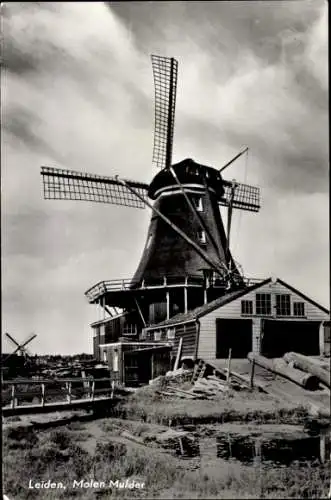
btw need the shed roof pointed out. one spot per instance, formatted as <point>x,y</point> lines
<point>206,308</point>
<point>196,313</point>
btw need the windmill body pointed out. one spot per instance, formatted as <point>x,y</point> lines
<point>165,253</point>
<point>186,261</point>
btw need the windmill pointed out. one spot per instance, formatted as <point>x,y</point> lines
<point>186,260</point>
<point>20,347</point>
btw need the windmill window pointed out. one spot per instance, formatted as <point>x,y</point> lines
<point>246,307</point>
<point>298,308</point>
<point>283,305</point>
<point>202,236</point>
<point>263,304</point>
<point>197,200</point>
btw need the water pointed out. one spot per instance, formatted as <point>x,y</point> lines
<point>252,449</point>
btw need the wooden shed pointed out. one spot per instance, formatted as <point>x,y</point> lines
<point>135,363</point>
<point>270,318</point>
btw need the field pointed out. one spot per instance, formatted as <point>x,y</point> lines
<point>239,444</point>
<point>153,443</point>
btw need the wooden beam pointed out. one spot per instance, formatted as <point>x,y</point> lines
<point>251,381</point>
<point>140,311</point>
<point>228,376</point>
<point>168,303</point>
<point>185,296</point>
<point>230,209</point>
<point>233,159</point>
<point>108,310</point>
<point>179,353</point>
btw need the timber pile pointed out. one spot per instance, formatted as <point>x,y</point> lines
<point>309,365</point>
<point>280,367</point>
<point>207,382</point>
<point>304,371</point>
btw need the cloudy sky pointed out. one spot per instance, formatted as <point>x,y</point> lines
<point>77,93</point>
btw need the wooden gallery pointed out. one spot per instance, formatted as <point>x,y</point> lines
<point>269,317</point>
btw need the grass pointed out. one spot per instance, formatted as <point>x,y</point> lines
<point>56,455</point>
<point>237,481</point>
<point>147,406</point>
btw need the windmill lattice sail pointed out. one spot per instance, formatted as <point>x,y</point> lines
<point>61,184</point>
<point>165,72</point>
<point>245,197</point>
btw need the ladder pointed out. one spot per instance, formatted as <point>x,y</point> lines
<point>199,371</point>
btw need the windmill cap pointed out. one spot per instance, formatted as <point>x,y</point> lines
<point>188,172</point>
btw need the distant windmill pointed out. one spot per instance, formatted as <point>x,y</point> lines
<point>20,348</point>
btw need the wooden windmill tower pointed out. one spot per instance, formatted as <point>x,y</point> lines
<point>186,260</point>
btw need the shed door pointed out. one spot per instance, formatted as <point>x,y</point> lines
<point>279,337</point>
<point>235,334</point>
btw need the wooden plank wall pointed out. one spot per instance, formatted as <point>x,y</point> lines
<point>207,337</point>
<point>188,332</point>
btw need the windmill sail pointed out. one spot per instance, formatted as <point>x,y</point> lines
<point>71,185</point>
<point>245,197</point>
<point>165,72</point>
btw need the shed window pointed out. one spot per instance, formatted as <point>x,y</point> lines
<point>298,308</point>
<point>129,329</point>
<point>202,236</point>
<point>263,304</point>
<point>171,334</point>
<point>246,307</point>
<point>157,335</point>
<point>283,305</point>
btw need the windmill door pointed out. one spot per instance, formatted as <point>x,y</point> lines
<point>235,334</point>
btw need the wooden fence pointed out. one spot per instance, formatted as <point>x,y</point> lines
<point>55,391</point>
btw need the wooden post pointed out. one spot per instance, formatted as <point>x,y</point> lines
<point>112,389</point>
<point>181,446</point>
<point>179,353</point>
<point>322,449</point>
<point>251,382</point>
<point>228,375</point>
<point>257,452</point>
<point>93,389</point>
<point>152,366</point>
<point>69,387</point>
<point>229,443</point>
<point>168,304</point>
<point>13,388</point>
<point>185,296</point>
<point>43,395</point>
<point>103,308</point>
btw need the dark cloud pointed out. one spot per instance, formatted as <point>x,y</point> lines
<point>272,55</point>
